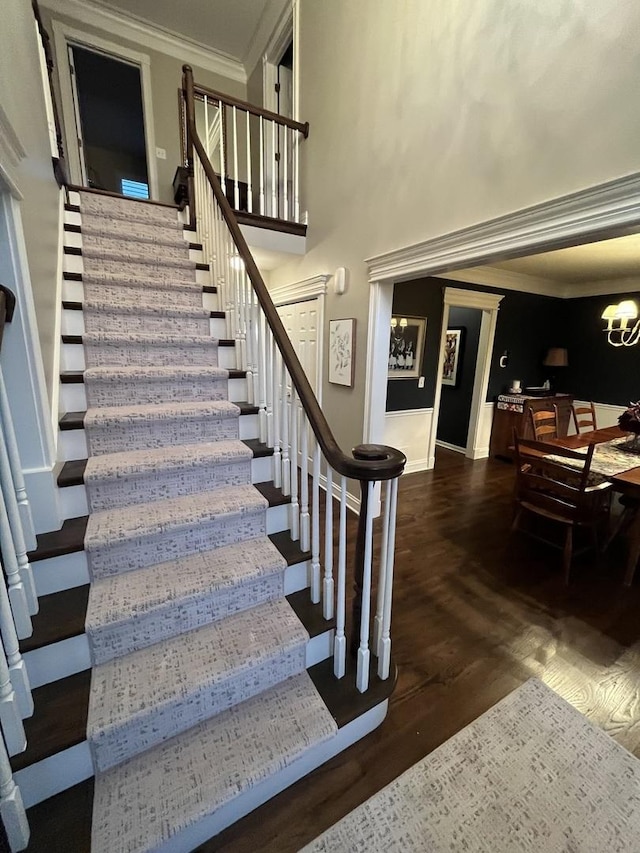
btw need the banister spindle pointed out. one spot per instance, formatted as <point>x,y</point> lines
<point>269,377</point>
<point>236,185</point>
<point>274,172</point>
<point>327,584</point>
<point>296,172</point>
<point>284,420</point>
<point>17,669</point>
<point>16,468</point>
<point>249,181</point>
<point>12,810</point>
<point>262,188</point>
<point>382,574</point>
<point>16,590</point>
<point>223,152</point>
<point>364,582</point>
<point>315,524</point>
<point>277,447</point>
<point>262,376</point>
<point>294,507</point>
<point>10,716</point>
<point>285,133</point>
<point>340,642</point>
<point>305,521</point>
<point>384,647</point>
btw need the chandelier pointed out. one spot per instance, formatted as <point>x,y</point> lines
<point>620,333</point>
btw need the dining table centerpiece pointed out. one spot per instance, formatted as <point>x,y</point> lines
<point>629,421</point>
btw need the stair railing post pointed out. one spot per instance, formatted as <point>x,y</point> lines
<point>187,88</point>
<point>12,810</point>
<point>16,468</point>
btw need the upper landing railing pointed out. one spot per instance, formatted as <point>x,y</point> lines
<point>306,455</point>
<point>254,153</point>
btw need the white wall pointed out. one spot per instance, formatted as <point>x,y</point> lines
<point>428,117</point>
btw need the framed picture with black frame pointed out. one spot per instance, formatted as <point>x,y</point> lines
<point>453,355</point>
<point>406,347</point>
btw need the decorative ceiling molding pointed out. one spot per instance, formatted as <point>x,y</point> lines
<point>602,287</point>
<point>472,299</point>
<point>11,149</point>
<point>607,210</point>
<point>149,35</point>
<point>298,291</point>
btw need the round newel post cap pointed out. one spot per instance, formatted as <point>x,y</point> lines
<point>388,462</point>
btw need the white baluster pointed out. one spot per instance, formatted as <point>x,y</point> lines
<point>305,533</point>
<point>249,182</point>
<point>17,669</point>
<point>12,811</point>
<point>249,338</point>
<point>315,525</point>
<point>377,621</point>
<point>17,592</point>
<point>285,133</point>
<point>261,166</point>
<point>362,670</point>
<point>274,170</point>
<point>294,508</point>
<point>262,384</point>
<point>327,584</point>
<point>340,642</point>
<point>10,717</point>
<point>236,187</point>
<point>384,648</point>
<point>223,153</point>
<point>277,448</point>
<point>16,468</point>
<point>15,524</point>
<point>243,357</point>
<point>296,173</point>
<point>255,363</point>
<point>284,420</point>
<point>269,383</point>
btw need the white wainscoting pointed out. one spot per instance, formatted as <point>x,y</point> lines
<point>409,431</point>
<point>483,438</point>
<point>606,414</point>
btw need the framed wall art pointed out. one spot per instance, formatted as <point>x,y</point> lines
<point>406,347</point>
<point>342,341</point>
<point>452,356</point>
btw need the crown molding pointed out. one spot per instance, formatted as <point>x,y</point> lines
<point>298,291</point>
<point>506,280</point>
<point>603,287</point>
<point>599,212</point>
<point>142,32</point>
<point>11,149</point>
<point>479,299</point>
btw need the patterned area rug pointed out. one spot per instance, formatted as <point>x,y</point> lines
<point>531,774</point>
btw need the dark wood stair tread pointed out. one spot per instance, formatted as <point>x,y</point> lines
<point>272,493</point>
<point>75,420</point>
<point>246,408</point>
<point>289,548</point>
<point>73,305</point>
<point>76,377</point>
<point>67,540</point>
<point>309,614</point>
<point>77,276</point>
<point>61,616</point>
<point>59,720</point>
<point>62,824</point>
<point>257,447</point>
<point>342,697</point>
<point>72,473</point>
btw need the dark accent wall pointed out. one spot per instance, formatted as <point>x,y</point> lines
<point>455,401</point>
<point>527,326</point>
<point>598,371</point>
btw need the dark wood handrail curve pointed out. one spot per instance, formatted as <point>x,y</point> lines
<point>252,109</point>
<point>372,462</point>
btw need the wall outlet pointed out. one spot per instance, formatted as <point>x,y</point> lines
<point>161,154</point>
<point>421,382</point>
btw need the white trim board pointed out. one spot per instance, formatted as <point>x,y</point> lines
<point>300,291</point>
<point>11,149</point>
<point>63,36</point>
<point>606,210</point>
<point>140,31</point>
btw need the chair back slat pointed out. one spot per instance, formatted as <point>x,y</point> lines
<point>584,418</point>
<point>544,423</point>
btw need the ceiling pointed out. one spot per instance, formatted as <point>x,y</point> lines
<point>227,26</point>
<point>604,261</point>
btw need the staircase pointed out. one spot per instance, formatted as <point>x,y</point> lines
<point>176,635</point>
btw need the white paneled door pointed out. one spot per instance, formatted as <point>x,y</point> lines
<point>302,322</point>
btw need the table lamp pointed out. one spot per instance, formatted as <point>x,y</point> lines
<point>555,357</point>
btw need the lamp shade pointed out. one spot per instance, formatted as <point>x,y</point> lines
<point>556,357</point>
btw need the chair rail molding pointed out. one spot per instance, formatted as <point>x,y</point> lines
<point>599,212</point>
<point>146,34</point>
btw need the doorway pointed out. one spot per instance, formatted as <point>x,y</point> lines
<point>108,118</point>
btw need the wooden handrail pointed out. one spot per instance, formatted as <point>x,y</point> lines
<point>372,461</point>
<point>252,108</point>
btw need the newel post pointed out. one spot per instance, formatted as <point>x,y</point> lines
<point>187,90</point>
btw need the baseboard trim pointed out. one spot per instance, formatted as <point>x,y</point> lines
<point>448,446</point>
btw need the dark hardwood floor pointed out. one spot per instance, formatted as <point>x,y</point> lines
<point>476,614</point>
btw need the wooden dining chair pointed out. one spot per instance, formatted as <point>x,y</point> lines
<point>584,418</point>
<point>544,423</point>
<point>558,489</point>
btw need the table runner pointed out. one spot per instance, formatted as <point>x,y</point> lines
<point>609,459</point>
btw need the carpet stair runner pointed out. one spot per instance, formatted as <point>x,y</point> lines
<point>199,689</point>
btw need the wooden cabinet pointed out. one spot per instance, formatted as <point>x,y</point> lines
<point>510,415</point>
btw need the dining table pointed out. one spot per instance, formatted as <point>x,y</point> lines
<point>609,461</point>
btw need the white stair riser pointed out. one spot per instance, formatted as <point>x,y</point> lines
<point>72,443</point>
<point>73,357</point>
<point>73,501</point>
<point>73,291</point>
<point>72,323</point>
<point>74,263</point>
<point>65,769</point>
<point>73,396</point>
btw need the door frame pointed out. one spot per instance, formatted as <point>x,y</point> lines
<point>65,36</point>
<point>287,30</point>
<point>453,297</point>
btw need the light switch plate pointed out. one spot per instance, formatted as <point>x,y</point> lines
<point>421,382</point>
<point>161,154</point>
